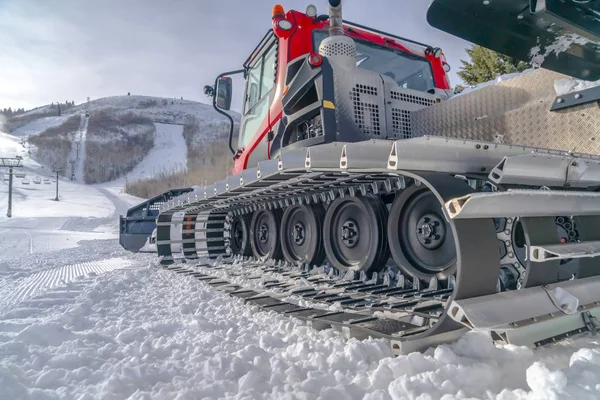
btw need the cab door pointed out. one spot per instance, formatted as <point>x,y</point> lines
<point>255,125</point>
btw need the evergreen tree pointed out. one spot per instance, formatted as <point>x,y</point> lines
<point>486,65</point>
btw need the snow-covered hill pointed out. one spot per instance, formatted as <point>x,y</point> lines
<point>106,139</point>
<point>157,109</point>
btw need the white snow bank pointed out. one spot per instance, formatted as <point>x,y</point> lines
<point>37,200</point>
<point>149,333</point>
<point>570,85</point>
<point>32,200</point>
<point>10,146</point>
<point>495,81</point>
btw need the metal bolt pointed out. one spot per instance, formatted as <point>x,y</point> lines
<point>559,100</point>
<point>578,96</point>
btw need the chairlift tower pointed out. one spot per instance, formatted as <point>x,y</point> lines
<point>57,171</point>
<point>72,162</point>
<point>10,163</point>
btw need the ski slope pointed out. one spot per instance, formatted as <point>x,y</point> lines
<point>80,148</point>
<point>39,125</point>
<point>168,154</point>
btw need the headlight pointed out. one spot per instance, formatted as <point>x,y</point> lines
<point>284,24</point>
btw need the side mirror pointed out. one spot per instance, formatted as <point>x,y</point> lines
<point>224,93</point>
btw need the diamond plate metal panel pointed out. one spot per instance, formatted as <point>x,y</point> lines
<point>514,112</point>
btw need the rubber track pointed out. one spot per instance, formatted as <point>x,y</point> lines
<point>317,292</point>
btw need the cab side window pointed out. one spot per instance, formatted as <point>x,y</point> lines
<point>259,87</point>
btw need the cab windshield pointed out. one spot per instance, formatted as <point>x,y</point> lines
<point>409,71</point>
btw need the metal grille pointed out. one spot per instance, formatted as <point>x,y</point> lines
<point>401,123</point>
<point>411,98</point>
<point>366,115</point>
<point>337,46</point>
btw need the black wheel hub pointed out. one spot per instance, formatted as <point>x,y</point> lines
<point>431,231</point>
<point>263,233</point>
<point>238,234</point>
<point>350,233</point>
<point>299,234</point>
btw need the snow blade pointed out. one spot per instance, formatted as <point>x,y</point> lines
<point>552,34</point>
<point>137,226</point>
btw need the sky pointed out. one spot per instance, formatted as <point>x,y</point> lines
<point>73,49</point>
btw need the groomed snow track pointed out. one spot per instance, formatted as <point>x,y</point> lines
<point>51,278</point>
<point>481,217</point>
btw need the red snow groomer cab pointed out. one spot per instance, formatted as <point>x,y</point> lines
<point>282,97</point>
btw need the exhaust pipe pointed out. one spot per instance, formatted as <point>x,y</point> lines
<point>335,18</point>
<point>338,46</point>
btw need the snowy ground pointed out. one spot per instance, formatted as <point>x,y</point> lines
<point>80,145</point>
<point>39,125</point>
<point>166,155</point>
<point>80,318</point>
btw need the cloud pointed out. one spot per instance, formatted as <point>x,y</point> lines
<point>69,50</point>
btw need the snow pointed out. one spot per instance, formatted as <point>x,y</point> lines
<point>570,85</point>
<point>142,332</point>
<point>158,109</point>
<point>81,318</point>
<point>10,146</point>
<point>560,45</point>
<point>500,78</point>
<point>81,146</point>
<point>39,125</point>
<point>168,154</point>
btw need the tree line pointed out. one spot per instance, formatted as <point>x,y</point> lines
<point>486,65</point>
